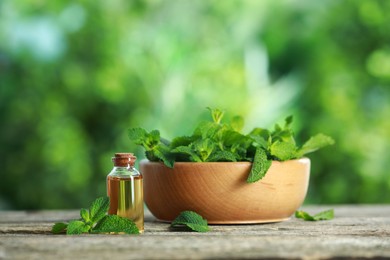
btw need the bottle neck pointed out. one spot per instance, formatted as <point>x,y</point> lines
<point>122,168</point>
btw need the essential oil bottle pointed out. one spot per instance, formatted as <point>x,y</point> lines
<point>125,189</point>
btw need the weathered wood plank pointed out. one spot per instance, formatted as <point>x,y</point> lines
<point>357,231</point>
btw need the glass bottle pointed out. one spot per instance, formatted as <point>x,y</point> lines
<point>125,189</point>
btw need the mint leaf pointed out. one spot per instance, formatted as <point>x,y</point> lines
<point>260,166</point>
<point>141,137</point>
<point>240,152</point>
<point>98,209</point>
<point>182,141</point>
<point>237,123</point>
<point>304,215</point>
<point>204,147</point>
<point>191,220</point>
<point>152,139</point>
<point>115,224</point>
<point>165,141</point>
<point>262,137</point>
<point>265,133</point>
<point>59,228</point>
<point>216,114</point>
<point>324,215</point>
<point>222,156</point>
<point>84,214</point>
<point>137,135</point>
<point>206,129</point>
<point>162,152</point>
<point>76,227</point>
<point>187,151</point>
<point>314,143</point>
<point>283,150</point>
<point>230,137</point>
<point>284,134</point>
<point>288,121</point>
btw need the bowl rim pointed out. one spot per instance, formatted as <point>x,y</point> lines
<point>146,161</point>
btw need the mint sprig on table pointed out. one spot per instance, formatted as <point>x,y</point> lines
<point>324,215</point>
<point>191,220</point>
<point>214,141</point>
<point>96,220</point>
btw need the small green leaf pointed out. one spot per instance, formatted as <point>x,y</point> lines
<point>260,166</point>
<point>59,228</point>
<point>206,129</point>
<point>76,227</point>
<point>261,137</point>
<point>237,123</point>
<point>324,215</point>
<point>98,209</point>
<point>137,135</point>
<point>314,143</point>
<point>231,138</point>
<point>152,139</point>
<point>191,220</point>
<point>285,135</point>
<point>216,114</point>
<point>187,151</point>
<point>303,215</point>
<point>288,121</point>
<point>182,141</point>
<point>277,128</point>
<point>240,152</point>
<point>204,147</point>
<point>265,133</point>
<point>165,141</point>
<point>222,156</point>
<point>115,224</point>
<point>259,141</point>
<point>162,152</point>
<point>141,137</point>
<point>84,214</point>
<point>283,150</point>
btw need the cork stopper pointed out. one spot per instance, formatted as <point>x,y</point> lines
<point>124,159</point>
<point>123,155</point>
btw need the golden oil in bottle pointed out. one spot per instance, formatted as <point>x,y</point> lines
<point>125,189</point>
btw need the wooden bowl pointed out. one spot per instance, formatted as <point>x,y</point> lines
<point>219,192</point>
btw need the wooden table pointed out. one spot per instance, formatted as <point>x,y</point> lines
<point>356,232</point>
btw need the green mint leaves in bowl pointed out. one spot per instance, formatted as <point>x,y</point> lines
<point>214,141</point>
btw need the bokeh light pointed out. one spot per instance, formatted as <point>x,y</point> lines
<point>74,76</point>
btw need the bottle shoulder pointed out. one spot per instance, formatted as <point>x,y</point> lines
<point>124,171</point>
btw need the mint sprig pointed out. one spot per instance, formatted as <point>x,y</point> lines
<point>96,220</point>
<point>191,220</point>
<point>215,141</point>
<point>324,215</point>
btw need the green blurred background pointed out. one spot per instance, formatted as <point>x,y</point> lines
<point>75,75</point>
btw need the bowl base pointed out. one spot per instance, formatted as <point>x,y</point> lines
<point>237,222</point>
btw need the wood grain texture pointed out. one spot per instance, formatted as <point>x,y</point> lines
<point>219,192</point>
<point>357,232</point>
